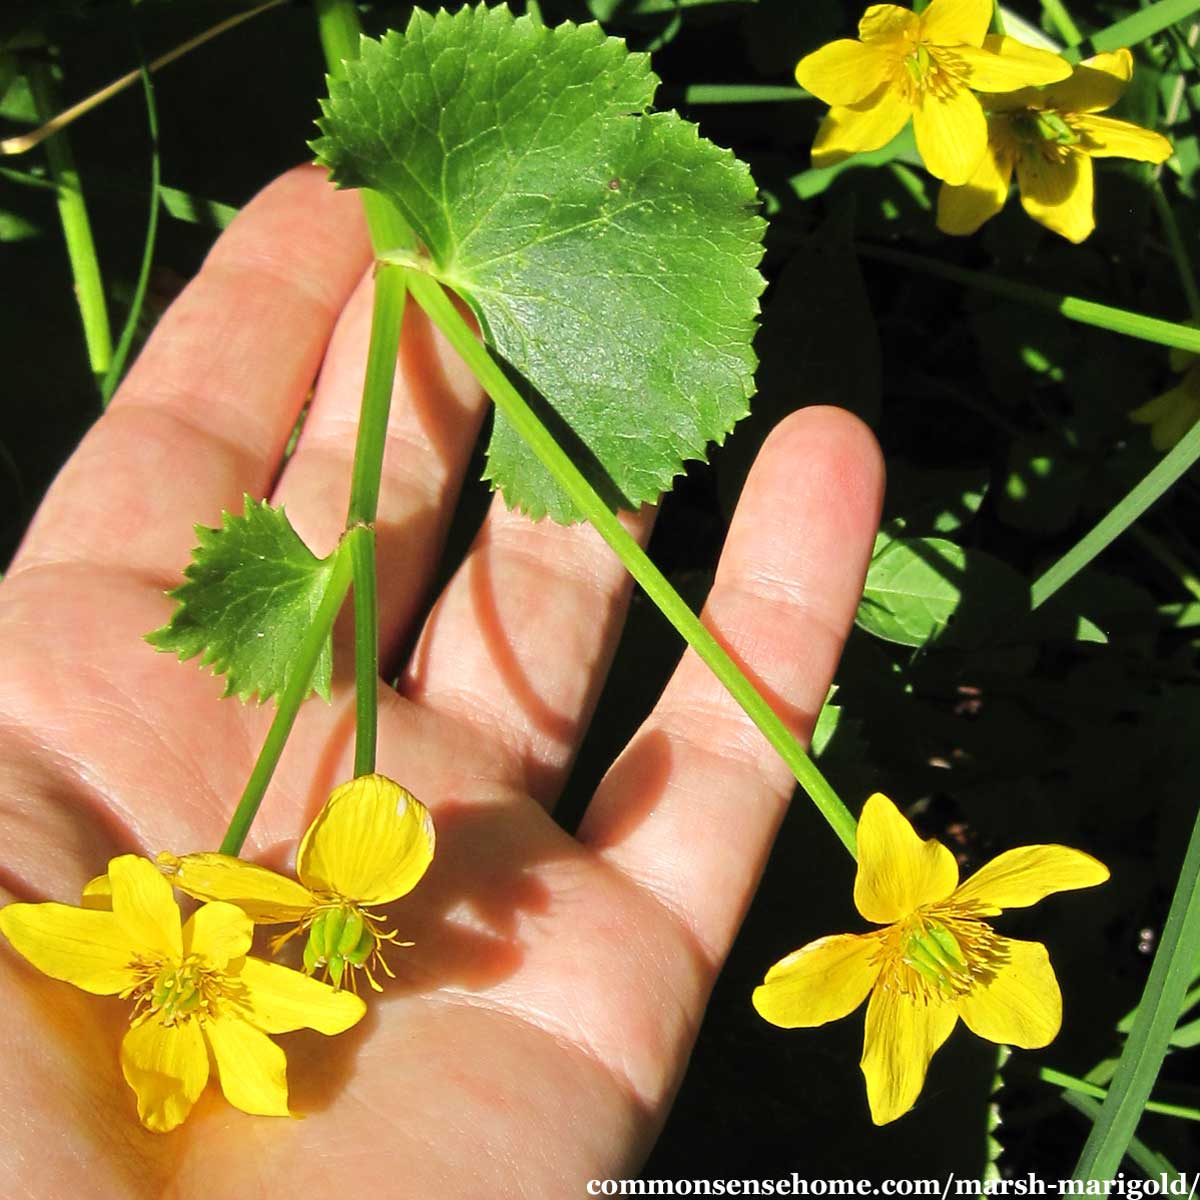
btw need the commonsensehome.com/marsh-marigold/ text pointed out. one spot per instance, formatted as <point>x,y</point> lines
<point>1130,1188</point>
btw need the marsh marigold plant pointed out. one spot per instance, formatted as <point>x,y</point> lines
<point>369,845</point>
<point>1049,137</point>
<point>196,993</point>
<point>935,958</point>
<point>924,68</point>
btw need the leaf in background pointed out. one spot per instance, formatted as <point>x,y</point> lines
<point>1043,486</point>
<point>249,597</point>
<point>819,344</point>
<point>917,588</point>
<point>609,254</point>
<point>933,500</point>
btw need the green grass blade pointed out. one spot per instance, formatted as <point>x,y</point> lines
<point>1074,308</point>
<point>120,355</point>
<point>1140,25</point>
<point>1153,1163</point>
<point>1120,517</point>
<point>1146,1046</point>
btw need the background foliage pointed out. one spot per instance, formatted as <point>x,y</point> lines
<point>1007,435</point>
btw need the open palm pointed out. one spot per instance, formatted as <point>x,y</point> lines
<point>538,1028</point>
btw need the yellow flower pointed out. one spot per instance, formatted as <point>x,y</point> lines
<point>369,845</point>
<point>1173,413</point>
<point>194,991</point>
<point>936,960</point>
<point>923,67</point>
<point>1050,137</point>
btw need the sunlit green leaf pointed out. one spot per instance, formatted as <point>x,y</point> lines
<point>249,598</point>
<point>610,254</point>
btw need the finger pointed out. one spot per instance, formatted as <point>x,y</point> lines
<point>433,422</point>
<point>518,645</point>
<point>691,806</point>
<point>207,409</point>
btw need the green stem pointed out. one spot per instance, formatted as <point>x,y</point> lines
<point>1074,308</point>
<point>366,650</point>
<point>77,229</point>
<point>1183,261</point>
<point>998,20</point>
<point>292,696</point>
<point>113,375</point>
<point>1123,514</point>
<point>1062,21</point>
<point>365,480</point>
<point>437,305</point>
<point>1073,1084</point>
<point>340,31</point>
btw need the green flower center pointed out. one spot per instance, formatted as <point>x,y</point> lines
<point>174,992</point>
<point>339,936</point>
<point>1044,130</point>
<point>927,74</point>
<point>950,955</point>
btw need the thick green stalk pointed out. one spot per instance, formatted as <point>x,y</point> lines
<point>341,33</point>
<point>365,482</point>
<point>293,695</point>
<point>437,305</point>
<point>77,229</point>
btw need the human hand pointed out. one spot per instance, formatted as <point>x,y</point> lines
<point>540,1025</point>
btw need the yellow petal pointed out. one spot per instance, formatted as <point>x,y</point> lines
<point>1058,194</point>
<point>371,842</point>
<point>252,1069</point>
<point>1021,1005</point>
<point>902,1035</point>
<point>1106,137</point>
<point>961,210</point>
<point>956,22</point>
<point>897,871</point>
<point>218,932</point>
<point>280,1000</point>
<point>142,901</point>
<point>265,897</point>
<point>90,949</point>
<point>167,1066</point>
<point>888,23</point>
<point>1020,877</point>
<point>819,982</point>
<point>97,893</point>
<point>1096,84</point>
<point>951,134</point>
<point>844,72</point>
<point>866,126</point>
<point>1013,65</point>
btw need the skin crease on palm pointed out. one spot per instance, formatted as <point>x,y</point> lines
<point>538,1029</point>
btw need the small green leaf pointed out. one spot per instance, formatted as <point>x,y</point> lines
<point>917,588</point>
<point>610,254</point>
<point>249,596</point>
